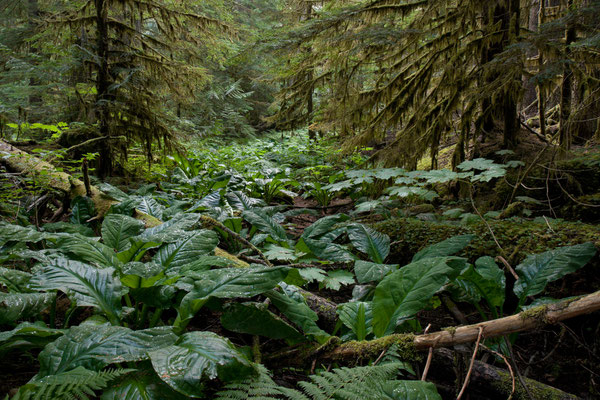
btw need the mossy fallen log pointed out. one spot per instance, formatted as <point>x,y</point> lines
<point>47,175</point>
<point>410,344</point>
<point>409,235</point>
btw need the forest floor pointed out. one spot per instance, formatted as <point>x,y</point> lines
<point>289,188</point>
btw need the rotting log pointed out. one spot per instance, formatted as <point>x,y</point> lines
<point>47,175</point>
<point>494,382</point>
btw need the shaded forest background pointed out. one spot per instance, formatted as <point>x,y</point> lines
<point>412,79</point>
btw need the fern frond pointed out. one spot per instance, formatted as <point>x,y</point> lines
<point>357,383</point>
<point>258,388</point>
<point>79,383</point>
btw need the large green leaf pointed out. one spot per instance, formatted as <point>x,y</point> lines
<point>358,317</point>
<point>18,306</point>
<point>171,231</point>
<point>375,244</point>
<point>255,319</point>
<point>229,283</point>
<point>88,285</point>
<point>117,229</point>
<point>94,347</point>
<point>88,250</point>
<point>294,307</point>
<point>366,271</point>
<point>143,385</point>
<point>82,210</point>
<point>325,250</point>
<point>26,336</point>
<point>409,390</point>
<point>405,292</point>
<point>323,226</point>
<point>536,271</point>
<point>150,206</point>
<point>240,201</point>
<point>264,223</point>
<point>187,250</point>
<point>198,356</point>
<point>445,248</point>
<point>14,280</point>
<point>25,234</point>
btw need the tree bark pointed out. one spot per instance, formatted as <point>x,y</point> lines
<point>494,383</point>
<point>102,88</point>
<point>566,134</point>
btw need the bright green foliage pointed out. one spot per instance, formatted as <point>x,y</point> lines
<point>540,269</point>
<point>94,347</point>
<point>255,319</point>
<point>196,355</point>
<point>402,294</point>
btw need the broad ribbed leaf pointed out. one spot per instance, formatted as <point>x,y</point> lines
<point>255,319</point>
<point>198,356</point>
<point>18,306</point>
<point>88,250</point>
<point>239,201</point>
<point>170,231</point>
<point>150,206</point>
<point>405,292</point>
<point>358,317</point>
<point>117,229</point>
<point>375,244</point>
<point>228,283</point>
<point>27,335</point>
<point>144,385</point>
<point>294,307</point>
<point>445,248</point>
<point>366,271</point>
<point>323,226</point>
<point>185,251</point>
<point>14,280</point>
<point>325,250</point>
<point>264,223</point>
<point>88,285</point>
<point>410,390</point>
<point>540,269</point>
<point>94,347</point>
<point>82,211</point>
<point>25,234</point>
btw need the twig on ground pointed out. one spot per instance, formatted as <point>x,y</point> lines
<point>470,371</point>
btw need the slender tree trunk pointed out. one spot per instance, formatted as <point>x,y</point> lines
<point>566,136</point>
<point>511,23</point>
<point>35,99</point>
<point>102,86</point>
<point>540,88</point>
<point>312,135</point>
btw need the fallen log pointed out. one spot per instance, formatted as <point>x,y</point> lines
<point>495,383</point>
<point>409,345</point>
<point>47,176</point>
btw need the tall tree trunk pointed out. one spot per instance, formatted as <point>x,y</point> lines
<point>102,88</point>
<point>35,99</point>
<point>566,134</point>
<point>511,23</point>
<point>312,135</point>
<point>540,89</point>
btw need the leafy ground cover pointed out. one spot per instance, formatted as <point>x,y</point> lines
<point>307,301</point>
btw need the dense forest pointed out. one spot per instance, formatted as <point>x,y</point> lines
<point>300,199</point>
